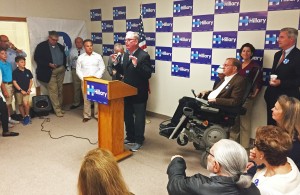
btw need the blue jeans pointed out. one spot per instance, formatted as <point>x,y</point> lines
<point>134,117</point>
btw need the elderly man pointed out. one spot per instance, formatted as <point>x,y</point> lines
<point>228,93</point>
<point>89,64</point>
<point>51,66</point>
<point>74,54</point>
<point>286,66</point>
<point>226,161</point>
<point>115,62</point>
<point>137,72</point>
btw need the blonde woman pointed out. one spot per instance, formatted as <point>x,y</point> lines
<point>100,175</point>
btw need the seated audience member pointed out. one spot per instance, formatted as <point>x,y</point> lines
<point>22,80</point>
<point>226,161</point>
<point>227,94</point>
<point>280,174</point>
<point>100,175</point>
<point>4,115</point>
<point>115,63</point>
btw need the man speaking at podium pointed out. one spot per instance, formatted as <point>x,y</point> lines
<point>137,72</point>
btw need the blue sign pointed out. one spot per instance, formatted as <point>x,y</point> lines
<point>203,23</point>
<point>150,39</point>
<point>66,41</point>
<point>266,76</point>
<point>180,69</point>
<point>201,56</point>
<point>95,14</point>
<point>107,49</point>
<point>224,39</point>
<point>152,65</point>
<point>253,21</point>
<point>107,26</point>
<point>119,38</point>
<point>182,39</point>
<point>132,25</point>
<point>271,39</point>
<point>164,24</point>
<point>283,5</point>
<point>149,10</point>
<point>213,72</point>
<point>97,92</point>
<point>257,57</point>
<point>183,8</point>
<point>227,6</point>
<point>119,13</point>
<point>163,53</point>
<point>96,38</point>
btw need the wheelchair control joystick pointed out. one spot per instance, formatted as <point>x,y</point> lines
<point>193,91</point>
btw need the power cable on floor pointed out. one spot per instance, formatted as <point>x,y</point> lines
<point>49,132</point>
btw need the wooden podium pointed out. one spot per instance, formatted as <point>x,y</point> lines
<point>110,112</point>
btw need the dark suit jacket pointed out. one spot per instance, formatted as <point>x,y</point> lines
<point>138,77</point>
<point>42,56</point>
<point>118,67</point>
<point>289,74</point>
<point>232,94</point>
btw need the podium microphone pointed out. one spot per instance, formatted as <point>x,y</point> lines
<point>118,58</point>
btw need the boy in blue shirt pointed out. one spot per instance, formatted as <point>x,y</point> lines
<point>22,80</point>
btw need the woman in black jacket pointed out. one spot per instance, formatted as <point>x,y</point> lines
<point>227,161</point>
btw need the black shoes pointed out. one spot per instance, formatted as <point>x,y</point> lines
<point>163,126</point>
<point>9,134</point>
<point>74,107</point>
<point>85,120</point>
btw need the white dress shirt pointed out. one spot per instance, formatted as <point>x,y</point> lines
<point>214,94</point>
<point>90,65</point>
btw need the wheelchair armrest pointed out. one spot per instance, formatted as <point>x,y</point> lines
<point>209,109</point>
<point>203,101</point>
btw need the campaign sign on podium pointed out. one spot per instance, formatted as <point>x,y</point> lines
<point>97,92</point>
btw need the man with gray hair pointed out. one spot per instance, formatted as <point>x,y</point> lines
<point>115,62</point>
<point>226,161</point>
<point>286,65</point>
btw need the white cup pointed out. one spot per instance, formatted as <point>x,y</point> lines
<point>273,77</point>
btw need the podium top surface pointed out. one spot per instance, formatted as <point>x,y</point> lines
<point>116,89</point>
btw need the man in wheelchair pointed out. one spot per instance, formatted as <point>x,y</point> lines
<point>227,96</point>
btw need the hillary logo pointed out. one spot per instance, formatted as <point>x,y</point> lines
<point>163,53</point>
<point>108,50</point>
<point>119,38</point>
<point>180,69</point>
<point>179,8</point>
<point>130,25</point>
<point>164,24</point>
<point>66,41</point>
<point>253,21</point>
<point>95,14</point>
<point>274,2</point>
<point>224,39</point>
<point>107,26</point>
<point>146,10</point>
<point>119,13</point>
<point>149,10</point>
<point>161,24</point>
<point>220,4</point>
<point>183,8</point>
<point>201,56</point>
<point>182,39</point>
<point>196,55</point>
<point>271,39</point>
<point>218,39</point>
<point>90,90</point>
<point>150,39</point>
<point>198,22</point>
<point>96,38</point>
<point>160,53</point>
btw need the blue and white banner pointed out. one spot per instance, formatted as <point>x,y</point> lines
<point>201,56</point>
<point>107,49</point>
<point>163,53</point>
<point>95,15</point>
<point>227,6</point>
<point>266,76</point>
<point>224,39</point>
<point>149,10</point>
<point>180,69</point>
<point>164,24</point>
<point>96,92</point>
<point>182,39</point>
<point>107,26</point>
<point>96,38</point>
<point>271,39</point>
<point>132,25</point>
<point>119,13</point>
<point>213,72</point>
<point>150,39</point>
<point>283,5</point>
<point>253,21</point>
<point>68,30</point>
<point>183,8</point>
<point>119,38</point>
<point>203,23</point>
<point>257,57</point>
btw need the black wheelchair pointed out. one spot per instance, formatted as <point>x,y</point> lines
<point>207,124</point>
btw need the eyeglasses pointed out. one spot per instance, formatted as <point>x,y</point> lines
<point>226,65</point>
<point>127,40</point>
<point>208,152</point>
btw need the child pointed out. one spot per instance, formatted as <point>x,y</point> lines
<point>22,80</point>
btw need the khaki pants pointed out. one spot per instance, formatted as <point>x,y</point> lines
<point>55,88</point>
<point>87,105</point>
<point>76,87</point>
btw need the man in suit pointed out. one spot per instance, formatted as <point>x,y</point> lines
<point>227,94</point>
<point>137,72</point>
<point>115,61</point>
<point>286,66</point>
<point>51,63</point>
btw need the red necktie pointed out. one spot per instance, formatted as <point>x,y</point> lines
<point>281,58</point>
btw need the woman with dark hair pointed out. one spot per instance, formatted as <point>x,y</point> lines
<point>280,174</point>
<point>248,70</point>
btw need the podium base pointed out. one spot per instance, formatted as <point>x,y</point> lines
<point>123,155</point>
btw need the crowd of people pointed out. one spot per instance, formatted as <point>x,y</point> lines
<point>275,155</point>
